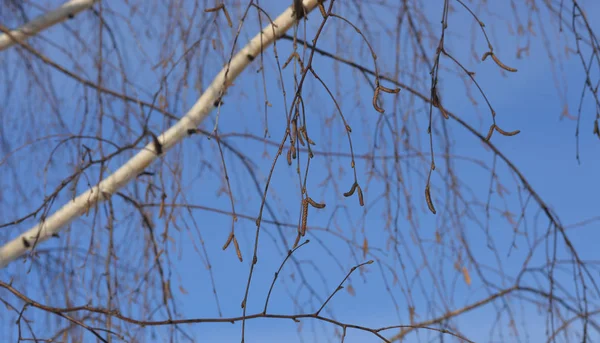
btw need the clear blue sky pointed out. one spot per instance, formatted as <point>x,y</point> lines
<point>544,151</point>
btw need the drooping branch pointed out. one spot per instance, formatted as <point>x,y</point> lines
<point>55,223</point>
<point>64,12</point>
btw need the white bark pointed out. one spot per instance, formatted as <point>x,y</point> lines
<point>70,8</point>
<point>57,221</point>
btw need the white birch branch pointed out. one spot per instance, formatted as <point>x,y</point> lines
<point>80,205</point>
<point>64,12</point>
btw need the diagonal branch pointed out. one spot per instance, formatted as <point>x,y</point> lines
<point>64,12</point>
<point>103,191</point>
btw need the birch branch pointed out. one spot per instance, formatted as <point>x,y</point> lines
<point>64,12</point>
<point>80,205</point>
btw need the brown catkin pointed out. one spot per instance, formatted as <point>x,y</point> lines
<point>229,239</point>
<point>428,199</point>
<point>506,133</point>
<point>351,191</point>
<point>490,132</point>
<point>502,65</point>
<point>315,204</point>
<point>361,200</point>
<point>375,97</point>
<point>304,216</point>
<point>237,249</point>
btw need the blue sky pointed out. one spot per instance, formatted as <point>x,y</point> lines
<point>528,100</point>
